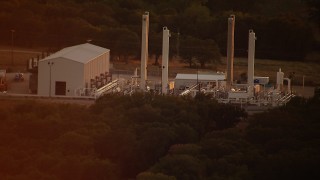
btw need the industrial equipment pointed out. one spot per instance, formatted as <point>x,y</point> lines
<point>3,82</point>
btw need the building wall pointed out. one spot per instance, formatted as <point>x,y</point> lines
<point>97,66</point>
<point>63,70</point>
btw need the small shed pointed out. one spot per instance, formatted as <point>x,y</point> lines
<point>184,81</point>
<point>71,69</point>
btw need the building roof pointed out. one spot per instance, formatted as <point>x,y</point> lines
<point>82,53</point>
<point>201,77</point>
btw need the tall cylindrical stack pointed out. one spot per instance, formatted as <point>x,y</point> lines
<point>165,59</point>
<point>251,53</point>
<point>280,76</point>
<point>144,50</point>
<point>230,50</point>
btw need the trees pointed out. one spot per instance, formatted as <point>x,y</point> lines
<point>155,123</point>
<point>57,24</point>
<point>155,46</point>
<point>284,137</point>
<point>314,11</point>
<point>157,137</point>
<point>231,5</point>
<point>208,53</point>
<point>154,176</point>
<point>54,143</point>
<point>195,21</point>
<point>180,166</point>
<point>127,44</point>
<point>195,51</point>
<point>275,144</point>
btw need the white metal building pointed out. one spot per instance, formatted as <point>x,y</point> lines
<point>71,69</point>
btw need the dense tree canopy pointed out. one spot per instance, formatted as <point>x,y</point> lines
<point>158,137</point>
<point>118,137</point>
<point>280,144</point>
<point>286,29</point>
<point>195,51</point>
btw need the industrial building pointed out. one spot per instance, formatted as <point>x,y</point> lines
<point>73,70</point>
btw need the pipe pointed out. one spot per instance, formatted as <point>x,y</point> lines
<point>289,85</point>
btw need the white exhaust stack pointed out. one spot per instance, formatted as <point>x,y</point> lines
<point>230,50</point>
<point>144,50</point>
<point>280,77</point>
<point>165,59</point>
<point>251,53</point>
<point>30,66</point>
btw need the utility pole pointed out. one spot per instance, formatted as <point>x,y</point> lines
<point>303,85</point>
<point>198,79</point>
<point>50,64</point>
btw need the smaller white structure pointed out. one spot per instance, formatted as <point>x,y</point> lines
<point>72,69</point>
<point>185,81</point>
